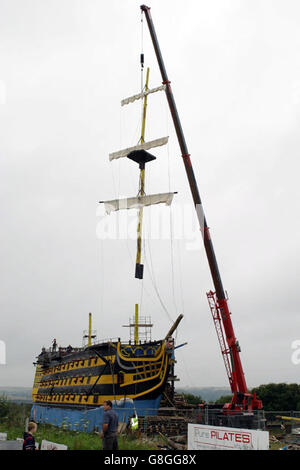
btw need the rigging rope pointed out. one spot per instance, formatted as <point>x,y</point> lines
<point>142,52</point>
<point>142,62</point>
<point>152,277</point>
<point>171,230</point>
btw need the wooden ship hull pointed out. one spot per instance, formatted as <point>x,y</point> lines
<point>85,377</point>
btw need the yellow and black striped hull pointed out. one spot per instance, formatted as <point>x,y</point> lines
<point>87,377</point>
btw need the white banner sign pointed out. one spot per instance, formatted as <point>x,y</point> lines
<point>202,437</point>
<point>47,445</point>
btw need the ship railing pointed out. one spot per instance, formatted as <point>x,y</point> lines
<point>112,340</point>
<point>94,343</point>
<point>61,350</point>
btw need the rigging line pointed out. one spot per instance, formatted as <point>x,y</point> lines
<point>142,60</point>
<point>176,335</point>
<point>180,277</point>
<point>172,263</point>
<point>133,262</point>
<point>120,146</point>
<point>114,182</point>
<point>152,277</point>
<point>130,169</point>
<point>133,141</point>
<point>144,290</point>
<point>167,116</point>
<point>142,52</point>
<point>171,234</point>
<point>142,283</point>
<point>102,289</point>
<point>186,370</point>
<point>128,249</point>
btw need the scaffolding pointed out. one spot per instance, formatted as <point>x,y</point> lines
<point>139,332</point>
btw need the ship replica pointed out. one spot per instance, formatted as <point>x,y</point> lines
<point>139,371</point>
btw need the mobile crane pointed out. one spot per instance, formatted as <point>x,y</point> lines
<point>240,410</point>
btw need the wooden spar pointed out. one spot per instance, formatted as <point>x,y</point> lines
<point>174,327</point>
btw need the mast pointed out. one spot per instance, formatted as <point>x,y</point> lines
<point>89,334</point>
<point>90,330</point>
<point>141,156</point>
<point>236,374</point>
<point>139,268</point>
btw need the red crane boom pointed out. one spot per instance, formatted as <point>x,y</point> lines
<point>242,399</point>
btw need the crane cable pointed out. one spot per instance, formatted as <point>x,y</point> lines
<point>142,53</point>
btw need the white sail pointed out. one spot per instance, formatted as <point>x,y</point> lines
<point>138,202</point>
<point>144,146</point>
<point>139,96</point>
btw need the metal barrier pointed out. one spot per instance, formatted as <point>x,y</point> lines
<point>171,422</point>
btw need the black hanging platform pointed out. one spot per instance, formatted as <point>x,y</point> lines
<point>141,157</point>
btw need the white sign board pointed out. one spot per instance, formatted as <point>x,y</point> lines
<point>202,437</point>
<point>3,436</point>
<point>47,445</point>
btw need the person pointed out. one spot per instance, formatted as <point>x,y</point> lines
<point>134,422</point>
<point>29,441</point>
<point>109,433</point>
<point>54,345</point>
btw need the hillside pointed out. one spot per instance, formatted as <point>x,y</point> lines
<point>209,394</point>
<point>18,394</point>
<point>23,394</point>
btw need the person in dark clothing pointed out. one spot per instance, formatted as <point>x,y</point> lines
<point>110,427</point>
<point>54,345</point>
<point>29,441</point>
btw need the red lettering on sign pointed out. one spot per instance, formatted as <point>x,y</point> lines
<point>231,436</point>
<point>246,438</point>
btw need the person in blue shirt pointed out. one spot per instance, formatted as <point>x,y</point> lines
<point>110,427</point>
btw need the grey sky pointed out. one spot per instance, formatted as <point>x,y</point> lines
<point>235,71</point>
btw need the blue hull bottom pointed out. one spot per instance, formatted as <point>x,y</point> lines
<point>91,419</point>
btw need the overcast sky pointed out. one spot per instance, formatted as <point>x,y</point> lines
<point>65,65</point>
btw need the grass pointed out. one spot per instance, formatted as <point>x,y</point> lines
<point>12,419</point>
<point>77,440</point>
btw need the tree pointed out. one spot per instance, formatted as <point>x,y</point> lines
<point>279,397</point>
<point>4,406</point>
<point>224,399</point>
<point>192,399</point>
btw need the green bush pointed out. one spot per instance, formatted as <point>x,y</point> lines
<point>4,406</point>
<point>279,397</point>
<point>192,399</point>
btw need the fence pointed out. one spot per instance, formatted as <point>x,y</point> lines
<point>171,422</point>
<point>168,421</point>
